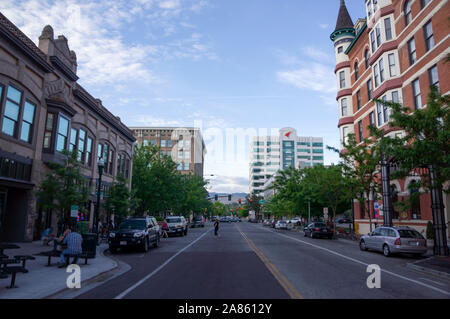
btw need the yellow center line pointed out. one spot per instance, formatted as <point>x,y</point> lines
<point>282,280</point>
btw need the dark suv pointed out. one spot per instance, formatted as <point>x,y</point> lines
<point>134,232</point>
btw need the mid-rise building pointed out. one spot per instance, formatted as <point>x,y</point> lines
<point>44,111</point>
<point>270,154</point>
<point>184,145</point>
<point>395,53</point>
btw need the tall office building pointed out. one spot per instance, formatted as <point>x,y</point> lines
<point>184,145</point>
<point>269,154</point>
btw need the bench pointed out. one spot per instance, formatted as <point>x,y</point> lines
<point>13,270</point>
<point>24,258</point>
<point>49,254</point>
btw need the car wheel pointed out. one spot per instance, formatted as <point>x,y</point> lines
<point>386,251</point>
<point>311,235</point>
<point>145,245</point>
<point>185,232</point>
<point>304,234</point>
<point>362,245</point>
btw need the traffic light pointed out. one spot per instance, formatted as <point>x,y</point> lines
<point>229,198</point>
<point>216,197</point>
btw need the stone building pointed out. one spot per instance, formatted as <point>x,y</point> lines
<point>43,111</point>
<point>184,145</point>
<point>395,53</point>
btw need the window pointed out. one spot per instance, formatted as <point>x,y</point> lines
<point>372,119</point>
<point>48,130</point>
<point>369,8</point>
<point>88,157</point>
<point>11,113</point>
<point>369,89</point>
<point>163,143</point>
<point>73,139</point>
<point>344,134</point>
<point>381,65</point>
<point>428,34</point>
<point>340,49</point>
<point>379,115</point>
<point>180,154</point>
<point>416,94</point>
<point>407,12</point>
<point>317,144</point>
<point>433,75</point>
<point>395,97</point>
<point>356,71</point>
<point>187,155</point>
<point>358,99</point>
<point>412,51</point>
<point>391,59</point>
<point>169,143</point>
<point>360,131</point>
<point>26,131</point>
<point>179,166</point>
<point>423,3</point>
<point>378,32</point>
<point>180,144</point>
<point>375,5</point>
<point>372,41</point>
<point>152,142</point>
<point>187,144</point>
<point>342,79</point>
<point>385,110</point>
<point>186,166</point>
<point>81,140</point>
<point>388,29</point>
<point>376,76</point>
<point>344,107</point>
<point>63,131</point>
<point>366,59</point>
<point>318,151</point>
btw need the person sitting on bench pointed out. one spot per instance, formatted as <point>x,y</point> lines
<point>47,236</point>
<point>73,241</point>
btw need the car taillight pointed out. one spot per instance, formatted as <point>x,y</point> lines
<point>317,229</point>
<point>397,242</point>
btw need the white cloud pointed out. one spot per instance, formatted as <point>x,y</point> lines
<point>95,31</point>
<point>313,76</point>
<point>228,184</point>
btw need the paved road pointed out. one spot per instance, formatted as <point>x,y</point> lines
<point>252,261</point>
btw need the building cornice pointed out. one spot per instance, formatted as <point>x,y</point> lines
<point>387,46</point>
<point>102,114</point>
<point>60,106</point>
<point>63,68</point>
<point>341,66</point>
<point>386,86</point>
<point>346,120</point>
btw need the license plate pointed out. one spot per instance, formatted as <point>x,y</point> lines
<point>123,243</point>
<point>414,243</point>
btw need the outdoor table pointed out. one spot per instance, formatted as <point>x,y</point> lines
<point>7,246</point>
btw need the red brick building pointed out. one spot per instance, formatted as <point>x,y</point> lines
<point>395,53</point>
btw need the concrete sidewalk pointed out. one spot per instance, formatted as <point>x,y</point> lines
<point>42,281</point>
<point>436,265</point>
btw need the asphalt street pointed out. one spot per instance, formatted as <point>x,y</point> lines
<point>249,261</point>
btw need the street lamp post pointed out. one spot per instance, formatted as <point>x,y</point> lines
<point>101,165</point>
<point>309,209</point>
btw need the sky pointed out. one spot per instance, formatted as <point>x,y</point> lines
<point>234,68</point>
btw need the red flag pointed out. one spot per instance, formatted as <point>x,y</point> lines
<point>287,134</point>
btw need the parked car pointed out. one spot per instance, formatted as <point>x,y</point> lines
<point>198,222</point>
<point>295,221</point>
<point>140,232</point>
<point>177,225</point>
<point>392,240</point>
<point>273,223</point>
<point>318,229</point>
<point>281,224</point>
<point>235,219</point>
<point>157,226</point>
<point>267,222</point>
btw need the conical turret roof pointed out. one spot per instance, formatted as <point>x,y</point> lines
<point>344,20</point>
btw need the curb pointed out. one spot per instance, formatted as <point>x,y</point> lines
<point>75,292</point>
<point>427,270</point>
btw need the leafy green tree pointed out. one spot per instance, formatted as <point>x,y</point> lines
<point>194,194</point>
<point>64,186</point>
<point>219,209</point>
<point>120,201</point>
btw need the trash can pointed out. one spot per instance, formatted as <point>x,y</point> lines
<point>83,227</point>
<point>89,244</point>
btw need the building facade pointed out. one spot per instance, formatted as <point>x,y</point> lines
<point>395,53</point>
<point>270,154</point>
<point>43,111</point>
<point>184,145</point>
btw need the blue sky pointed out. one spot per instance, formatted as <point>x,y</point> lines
<point>231,67</point>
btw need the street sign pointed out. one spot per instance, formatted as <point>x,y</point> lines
<point>262,201</point>
<point>74,211</point>
<point>325,212</point>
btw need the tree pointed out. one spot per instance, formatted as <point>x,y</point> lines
<point>120,201</point>
<point>194,194</point>
<point>359,163</point>
<point>63,187</point>
<point>219,209</point>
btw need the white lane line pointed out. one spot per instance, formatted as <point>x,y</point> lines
<point>365,264</point>
<point>140,282</point>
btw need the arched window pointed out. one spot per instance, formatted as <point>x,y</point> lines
<point>414,197</point>
<point>356,71</point>
<point>366,58</point>
<point>407,12</point>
